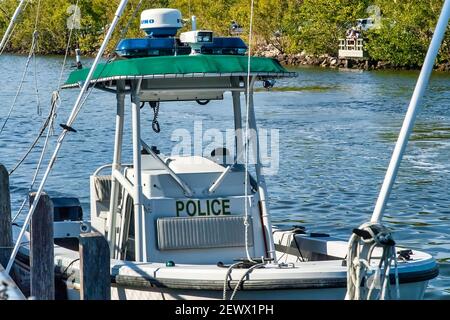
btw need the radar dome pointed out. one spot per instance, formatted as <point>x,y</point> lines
<point>160,23</point>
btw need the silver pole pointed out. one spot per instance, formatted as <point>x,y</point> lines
<point>139,235</point>
<point>410,118</point>
<point>116,166</point>
<point>11,24</point>
<point>239,139</point>
<point>262,188</point>
<point>70,121</point>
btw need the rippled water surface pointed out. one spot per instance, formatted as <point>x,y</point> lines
<point>336,138</point>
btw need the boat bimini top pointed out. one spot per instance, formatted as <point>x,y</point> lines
<point>196,61</point>
<point>181,78</point>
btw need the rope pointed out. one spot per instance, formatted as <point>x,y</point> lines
<point>227,281</point>
<point>48,123</point>
<point>36,89</point>
<point>19,90</point>
<point>228,275</point>
<point>67,128</point>
<point>246,223</point>
<point>67,50</point>
<point>124,31</point>
<point>31,54</point>
<point>108,60</point>
<point>56,102</point>
<point>250,270</point>
<point>362,278</point>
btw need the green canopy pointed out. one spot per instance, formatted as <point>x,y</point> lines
<point>180,66</point>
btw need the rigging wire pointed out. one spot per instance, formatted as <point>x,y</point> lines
<point>36,88</point>
<point>67,127</point>
<point>247,204</point>
<point>31,55</point>
<point>110,57</point>
<point>48,123</point>
<point>55,103</point>
<point>50,120</point>
<point>124,31</point>
<point>19,90</point>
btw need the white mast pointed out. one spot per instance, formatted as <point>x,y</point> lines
<point>11,24</point>
<point>70,121</point>
<point>410,118</point>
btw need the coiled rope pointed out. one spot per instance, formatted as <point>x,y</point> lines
<point>227,281</point>
<point>363,279</point>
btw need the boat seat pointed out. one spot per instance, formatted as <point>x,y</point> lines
<point>176,233</point>
<point>102,188</point>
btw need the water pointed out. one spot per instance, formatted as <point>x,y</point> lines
<point>336,137</point>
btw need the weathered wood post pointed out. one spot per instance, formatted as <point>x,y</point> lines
<point>6,241</point>
<point>95,278</point>
<point>42,266</point>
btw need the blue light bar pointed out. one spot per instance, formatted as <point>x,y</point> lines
<point>226,46</point>
<point>148,47</point>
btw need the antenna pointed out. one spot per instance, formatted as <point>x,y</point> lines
<point>194,23</point>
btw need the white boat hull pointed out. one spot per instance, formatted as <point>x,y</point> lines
<point>320,276</point>
<point>409,291</point>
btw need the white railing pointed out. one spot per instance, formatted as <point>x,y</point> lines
<point>351,48</point>
<point>351,44</point>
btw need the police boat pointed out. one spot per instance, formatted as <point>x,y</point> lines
<point>196,227</point>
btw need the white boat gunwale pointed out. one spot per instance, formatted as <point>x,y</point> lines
<point>307,275</point>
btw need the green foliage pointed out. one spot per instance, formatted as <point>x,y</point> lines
<point>406,30</point>
<point>323,22</point>
<point>291,26</point>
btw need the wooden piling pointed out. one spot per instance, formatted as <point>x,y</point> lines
<point>95,278</point>
<point>6,240</point>
<point>41,250</point>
